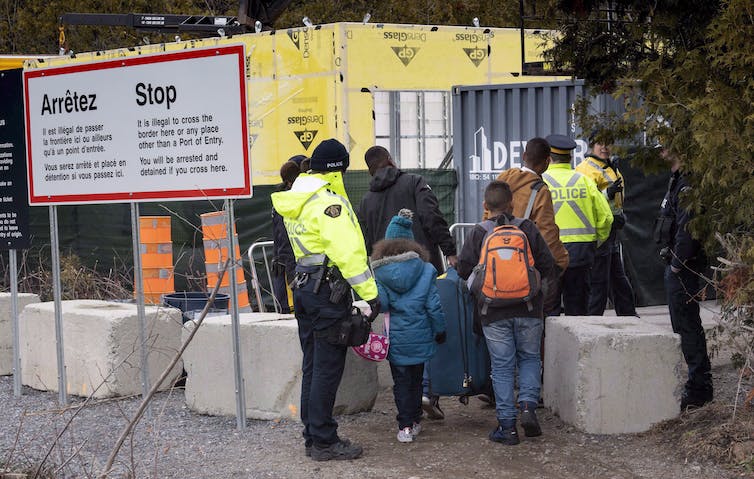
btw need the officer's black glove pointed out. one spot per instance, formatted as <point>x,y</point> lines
<point>619,221</point>
<point>615,188</point>
<point>375,305</point>
<point>666,254</point>
<point>441,337</point>
<point>277,267</point>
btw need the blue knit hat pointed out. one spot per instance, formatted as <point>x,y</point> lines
<point>400,225</point>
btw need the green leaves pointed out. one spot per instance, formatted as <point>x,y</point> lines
<point>686,75</point>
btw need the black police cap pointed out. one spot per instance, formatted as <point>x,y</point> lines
<point>561,144</point>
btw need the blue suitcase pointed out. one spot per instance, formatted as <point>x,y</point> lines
<point>461,366</point>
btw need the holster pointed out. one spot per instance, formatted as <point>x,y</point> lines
<point>663,230</point>
<point>309,277</point>
<point>339,287</point>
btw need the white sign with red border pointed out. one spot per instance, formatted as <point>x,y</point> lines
<point>168,126</point>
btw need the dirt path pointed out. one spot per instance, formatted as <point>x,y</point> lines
<point>178,443</point>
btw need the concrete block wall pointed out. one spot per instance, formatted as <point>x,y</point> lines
<point>6,328</point>
<point>101,344</point>
<point>271,355</point>
<point>612,375</point>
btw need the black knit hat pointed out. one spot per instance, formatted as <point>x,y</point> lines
<point>330,155</point>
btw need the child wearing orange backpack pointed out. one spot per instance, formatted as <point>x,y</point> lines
<point>507,257</point>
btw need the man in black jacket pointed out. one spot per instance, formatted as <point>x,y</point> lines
<point>684,259</point>
<point>283,261</point>
<point>392,190</point>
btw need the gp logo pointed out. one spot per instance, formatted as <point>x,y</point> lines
<point>306,137</point>
<point>294,36</point>
<point>405,53</point>
<point>301,40</point>
<point>476,55</point>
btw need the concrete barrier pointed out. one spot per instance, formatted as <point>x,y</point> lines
<point>6,329</point>
<point>101,346</point>
<point>271,354</point>
<point>612,375</point>
<point>709,312</point>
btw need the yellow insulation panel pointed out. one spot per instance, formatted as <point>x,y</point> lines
<point>312,83</point>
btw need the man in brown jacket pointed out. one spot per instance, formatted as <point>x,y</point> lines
<point>531,199</point>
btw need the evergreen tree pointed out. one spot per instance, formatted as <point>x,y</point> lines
<point>684,69</point>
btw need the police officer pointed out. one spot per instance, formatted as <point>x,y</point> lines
<point>684,258</point>
<point>330,256</point>
<point>584,218</point>
<point>608,276</point>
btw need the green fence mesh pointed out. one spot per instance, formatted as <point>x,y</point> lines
<point>100,235</point>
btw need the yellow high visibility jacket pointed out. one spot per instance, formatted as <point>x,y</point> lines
<point>322,223</point>
<point>604,175</point>
<point>581,210</point>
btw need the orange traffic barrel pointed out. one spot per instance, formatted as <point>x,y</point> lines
<point>157,282</point>
<point>216,247</point>
<point>156,250</point>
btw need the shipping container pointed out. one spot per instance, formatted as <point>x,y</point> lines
<point>493,122</point>
<point>491,125</point>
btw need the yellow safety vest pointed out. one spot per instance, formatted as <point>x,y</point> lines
<point>596,169</point>
<point>581,211</point>
<point>322,223</point>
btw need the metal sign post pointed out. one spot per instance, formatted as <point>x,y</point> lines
<point>235,323</point>
<point>55,249</point>
<point>14,322</point>
<point>139,285</point>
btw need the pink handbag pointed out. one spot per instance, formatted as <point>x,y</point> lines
<point>375,349</point>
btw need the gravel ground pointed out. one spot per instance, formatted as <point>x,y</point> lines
<point>177,443</point>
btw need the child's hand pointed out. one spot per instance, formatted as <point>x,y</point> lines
<point>441,337</point>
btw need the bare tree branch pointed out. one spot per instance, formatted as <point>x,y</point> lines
<point>148,398</point>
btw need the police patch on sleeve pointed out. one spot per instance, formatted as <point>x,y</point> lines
<point>333,211</point>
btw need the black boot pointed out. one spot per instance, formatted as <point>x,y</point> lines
<point>695,399</point>
<point>505,433</point>
<point>339,451</point>
<point>529,419</point>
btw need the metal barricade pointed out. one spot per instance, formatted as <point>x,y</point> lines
<point>458,231</point>
<point>264,246</point>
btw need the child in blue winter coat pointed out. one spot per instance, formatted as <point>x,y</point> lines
<point>408,290</point>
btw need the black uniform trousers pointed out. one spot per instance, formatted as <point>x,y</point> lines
<point>280,280</point>
<point>608,279</point>
<point>681,289</point>
<point>323,362</point>
<point>574,285</point>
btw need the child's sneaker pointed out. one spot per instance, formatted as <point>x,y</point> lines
<point>416,429</point>
<point>405,435</point>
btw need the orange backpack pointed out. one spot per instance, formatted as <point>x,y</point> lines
<point>505,274</point>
